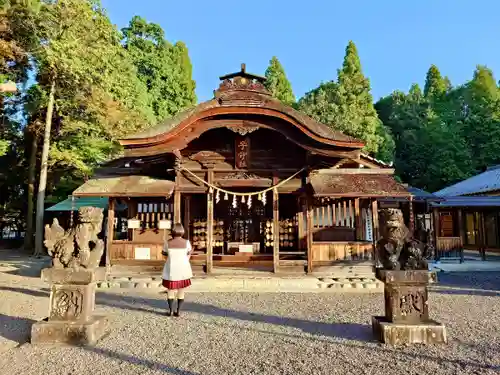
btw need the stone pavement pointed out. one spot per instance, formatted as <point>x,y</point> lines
<point>466,266</point>
<point>252,333</point>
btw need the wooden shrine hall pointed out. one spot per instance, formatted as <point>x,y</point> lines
<point>256,184</point>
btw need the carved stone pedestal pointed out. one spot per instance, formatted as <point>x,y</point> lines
<point>406,319</point>
<point>72,301</point>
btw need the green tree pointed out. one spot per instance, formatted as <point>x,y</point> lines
<point>164,68</point>
<point>347,105</point>
<point>481,118</point>
<point>91,88</point>
<point>430,151</point>
<point>277,83</point>
<point>14,62</point>
<point>435,84</point>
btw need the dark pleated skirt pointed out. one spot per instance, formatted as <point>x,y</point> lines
<point>179,284</point>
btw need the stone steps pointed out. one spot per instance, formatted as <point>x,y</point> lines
<point>252,284</point>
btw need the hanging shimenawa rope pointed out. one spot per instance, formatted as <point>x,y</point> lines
<point>216,188</point>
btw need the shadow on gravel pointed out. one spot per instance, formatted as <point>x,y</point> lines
<point>350,331</point>
<point>26,269</point>
<point>468,283</point>
<point>15,329</point>
<point>345,330</point>
<point>23,263</point>
<point>139,361</point>
<point>405,351</point>
<point>44,292</point>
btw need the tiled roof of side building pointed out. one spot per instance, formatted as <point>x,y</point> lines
<point>484,182</point>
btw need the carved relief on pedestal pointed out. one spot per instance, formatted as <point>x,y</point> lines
<point>66,304</point>
<point>412,303</point>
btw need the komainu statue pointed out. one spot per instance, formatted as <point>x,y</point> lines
<point>79,246</point>
<point>396,249</point>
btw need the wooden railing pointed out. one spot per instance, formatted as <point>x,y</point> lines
<point>341,251</point>
<point>450,247</point>
<point>449,244</point>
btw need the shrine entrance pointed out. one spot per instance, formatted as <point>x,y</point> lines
<point>243,228</point>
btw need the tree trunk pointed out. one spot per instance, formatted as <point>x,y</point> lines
<point>28,238</point>
<point>40,199</point>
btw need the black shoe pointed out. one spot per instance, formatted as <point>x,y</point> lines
<point>170,306</point>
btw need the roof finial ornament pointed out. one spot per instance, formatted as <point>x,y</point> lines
<point>243,67</point>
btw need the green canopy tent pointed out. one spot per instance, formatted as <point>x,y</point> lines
<point>74,204</point>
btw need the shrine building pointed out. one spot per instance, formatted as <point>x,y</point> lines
<point>256,184</point>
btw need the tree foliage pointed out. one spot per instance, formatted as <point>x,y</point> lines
<point>347,105</point>
<point>164,68</point>
<point>444,134</point>
<point>277,83</point>
<point>100,92</point>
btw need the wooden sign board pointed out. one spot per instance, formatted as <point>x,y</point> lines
<point>143,253</point>
<point>165,224</point>
<point>242,152</point>
<point>245,248</point>
<point>133,224</point>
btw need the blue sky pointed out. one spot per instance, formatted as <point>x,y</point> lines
<point>397,39</point>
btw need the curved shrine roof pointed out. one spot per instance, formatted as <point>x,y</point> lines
<point>246,92</point>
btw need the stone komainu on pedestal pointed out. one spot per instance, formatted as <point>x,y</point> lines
<point>406,277</point>
<point>76,254</point>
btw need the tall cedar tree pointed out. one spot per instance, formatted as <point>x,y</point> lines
<point>481,124</point>
<point>431,152</point>
<point>92,92</point>
<point>435,84</point>
<point>347,105</point>
<point>277,82</point>
<point>164,68</point>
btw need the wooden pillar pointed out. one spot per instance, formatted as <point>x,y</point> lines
<point>301,230</point>
<point>187,215</point>
<point>276,230</point>
<point>437,229</point>
<point>375,223</point>
<point>177,206</point>
<point>357,220</point>
<point>110,232</point>
<point>177,199</point>
<point>375,231</point>
<point>411,217</point>
<point>482,235</point>
<point>461,233</point>
<point>210,223</point>
<point>346,220</point>
<point>309,234</point>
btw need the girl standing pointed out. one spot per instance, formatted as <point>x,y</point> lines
<point>177,272</point>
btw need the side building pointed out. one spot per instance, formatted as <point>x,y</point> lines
<point>468,216</point>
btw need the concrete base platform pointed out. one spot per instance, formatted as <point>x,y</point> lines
<point>430,332</point>
<point>67,332</point>
<point>254,284</point>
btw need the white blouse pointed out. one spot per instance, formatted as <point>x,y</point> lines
<point>177,267</point>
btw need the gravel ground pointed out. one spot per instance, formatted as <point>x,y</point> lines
<point>252,333</point>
